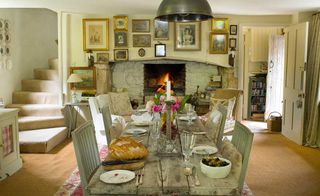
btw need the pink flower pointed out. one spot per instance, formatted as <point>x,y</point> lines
<point>162,98</point>
<point>176,106</point>
<point>157,108</point>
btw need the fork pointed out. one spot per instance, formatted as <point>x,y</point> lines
<point>138,176</point>
<point>141,176</point>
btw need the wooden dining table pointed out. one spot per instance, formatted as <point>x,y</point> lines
<point>165,175</point>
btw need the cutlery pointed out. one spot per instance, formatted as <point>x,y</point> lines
<point>138,175</point>
<point>188,173</point>
<point>195,175</point>
<point>141,176</point>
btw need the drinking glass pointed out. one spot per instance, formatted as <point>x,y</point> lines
<point>187,143</point>
<point>190,113</point>
<point>154,128</point>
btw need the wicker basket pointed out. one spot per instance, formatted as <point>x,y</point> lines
<point>274,122</point>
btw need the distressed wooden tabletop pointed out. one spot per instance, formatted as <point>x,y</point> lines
<point>165,176</point>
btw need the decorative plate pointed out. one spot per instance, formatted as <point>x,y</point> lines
<point>141,52</point>
<point>135,131</point>
<point>117,176</point>
<point>204,150</point>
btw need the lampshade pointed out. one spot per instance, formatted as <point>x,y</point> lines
<point>74,78</point>
<point>184,10</point>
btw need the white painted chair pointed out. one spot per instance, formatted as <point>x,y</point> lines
<point>242,139</point>
<point>107,120</point>
<point>87,154</point>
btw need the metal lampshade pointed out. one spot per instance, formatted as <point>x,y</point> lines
<point>184,10</point>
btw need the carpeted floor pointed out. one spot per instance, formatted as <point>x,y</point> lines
<point>277,167</point>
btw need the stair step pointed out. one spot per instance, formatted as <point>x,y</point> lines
<point>41,140</point>
<point>46,74</point>
<point>39,85</point>
<point>26,97</point>
<point>38,109</point>
<point>40,122</point>
<point>53,63</point>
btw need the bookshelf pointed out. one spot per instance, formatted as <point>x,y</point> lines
<point>257,97</point>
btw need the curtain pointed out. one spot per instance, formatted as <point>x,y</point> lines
<point>312,106</point>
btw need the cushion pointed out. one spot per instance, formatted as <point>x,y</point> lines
<point>230,152</point>
<point>103,100</point>
<point>213,124</point>
<point>120,104</point>
<point>228,103</point>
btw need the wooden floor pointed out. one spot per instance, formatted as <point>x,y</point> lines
<point>277,167</point>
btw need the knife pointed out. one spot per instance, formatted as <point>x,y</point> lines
<point>118,162</point>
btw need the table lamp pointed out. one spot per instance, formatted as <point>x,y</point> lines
<point>74,78</point>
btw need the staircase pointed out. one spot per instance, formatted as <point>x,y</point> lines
<point>41,120</point>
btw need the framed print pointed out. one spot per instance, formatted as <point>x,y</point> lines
<point>121,54</point>
<point>159,50</point>
<point>220,24</point>
<point>233,29</point>
<point>87,74</point>
<point>140,26</point>
<point>218,43</point>
<point>95,34</point>
<point>120,39</point>
<point>161,30</point>
<point>187,36</point>
<point>102,57</point>
<point>120,23</point>
<point>141,40</point>
<point>232,43</point>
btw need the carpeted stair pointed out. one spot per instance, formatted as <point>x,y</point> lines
<point>41,120</point>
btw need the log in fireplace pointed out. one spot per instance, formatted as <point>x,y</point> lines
<point>155,76</point>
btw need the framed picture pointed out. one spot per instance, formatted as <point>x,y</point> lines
<point>232,43</point>
<point>87,74</point>
<point>95,34</point>
<point>218,43</point>
<point>140,26</point>
<point>187,36</point>
<point>120,23</point>
<point>121,54</point>
<point>102,57</point>
<point>161,30</point>
<point>141,40</point>
<point>159,50</point>
<point>120,39</point>
<point>233,29</point>
<point>220,24</point>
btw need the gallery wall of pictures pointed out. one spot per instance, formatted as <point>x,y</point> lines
<point>143,36</point>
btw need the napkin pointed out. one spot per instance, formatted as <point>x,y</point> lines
<point>141,118</point>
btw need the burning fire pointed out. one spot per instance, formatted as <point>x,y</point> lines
<point>162,83</point>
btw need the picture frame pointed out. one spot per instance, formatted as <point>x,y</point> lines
<point>220,24</point>
<point>140,25</point>
<point>161,30</point>
<point>88,75</point>
<point>233,29</point>
<point>95,34</point>
<point>120,23</point>
<point>218,43</point>
<point>120,39</point>
<point>232,43</point>
<point>159,50</point>
<point>187,36</point>
<point>102,57</point>
<point>121,54</point>
<point>141,40</point>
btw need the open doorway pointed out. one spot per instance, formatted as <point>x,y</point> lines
<point>263,58</point>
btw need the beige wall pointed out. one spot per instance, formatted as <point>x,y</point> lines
<point>34,32</point>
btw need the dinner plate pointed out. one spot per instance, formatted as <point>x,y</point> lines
<point>141,123</point>
<point>203,150</point>
<point>185,118</point>
<point>135,131</point>
<point>117,176</point>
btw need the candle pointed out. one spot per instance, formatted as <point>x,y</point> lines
<point>168,90</point>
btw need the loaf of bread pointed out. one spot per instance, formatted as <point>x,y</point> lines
<point>126,148</point>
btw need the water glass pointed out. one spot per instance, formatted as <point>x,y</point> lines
<point>187,143</point>
<point>154,128</point>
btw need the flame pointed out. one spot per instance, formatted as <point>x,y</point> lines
<point>162,81</point>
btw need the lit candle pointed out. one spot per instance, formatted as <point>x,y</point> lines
<point>168,90</point>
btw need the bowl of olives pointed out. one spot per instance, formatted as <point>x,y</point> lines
<point>215,167</point>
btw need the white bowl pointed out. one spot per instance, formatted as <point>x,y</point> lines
<point>216,172</point>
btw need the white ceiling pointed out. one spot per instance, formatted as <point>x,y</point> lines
<point>149,7</point>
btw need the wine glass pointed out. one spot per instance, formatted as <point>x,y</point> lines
<point>190,113</point>
<point>187,144</point>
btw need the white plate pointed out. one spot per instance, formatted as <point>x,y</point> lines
<point>142,110</point>
<point>203,150</point>
<point>135,131</point>
<point>141,123</point>
<point>186,118</point>
<point>117,176</point>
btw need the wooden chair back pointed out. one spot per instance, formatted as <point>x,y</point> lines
<point>107,120</point>
<point>87,154</point>
<point>242,139</point>
<point>223,112</point>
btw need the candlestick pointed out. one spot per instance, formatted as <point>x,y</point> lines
<point>168,88</point>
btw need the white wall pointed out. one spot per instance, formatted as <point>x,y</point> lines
<point>34,32</point>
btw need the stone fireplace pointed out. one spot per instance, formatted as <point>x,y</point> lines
<point>155,76</point>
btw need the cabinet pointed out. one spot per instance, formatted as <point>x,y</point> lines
<point>10,160</point>
<point>257,97</point>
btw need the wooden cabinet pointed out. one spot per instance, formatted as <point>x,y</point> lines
<point>10,160</point>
